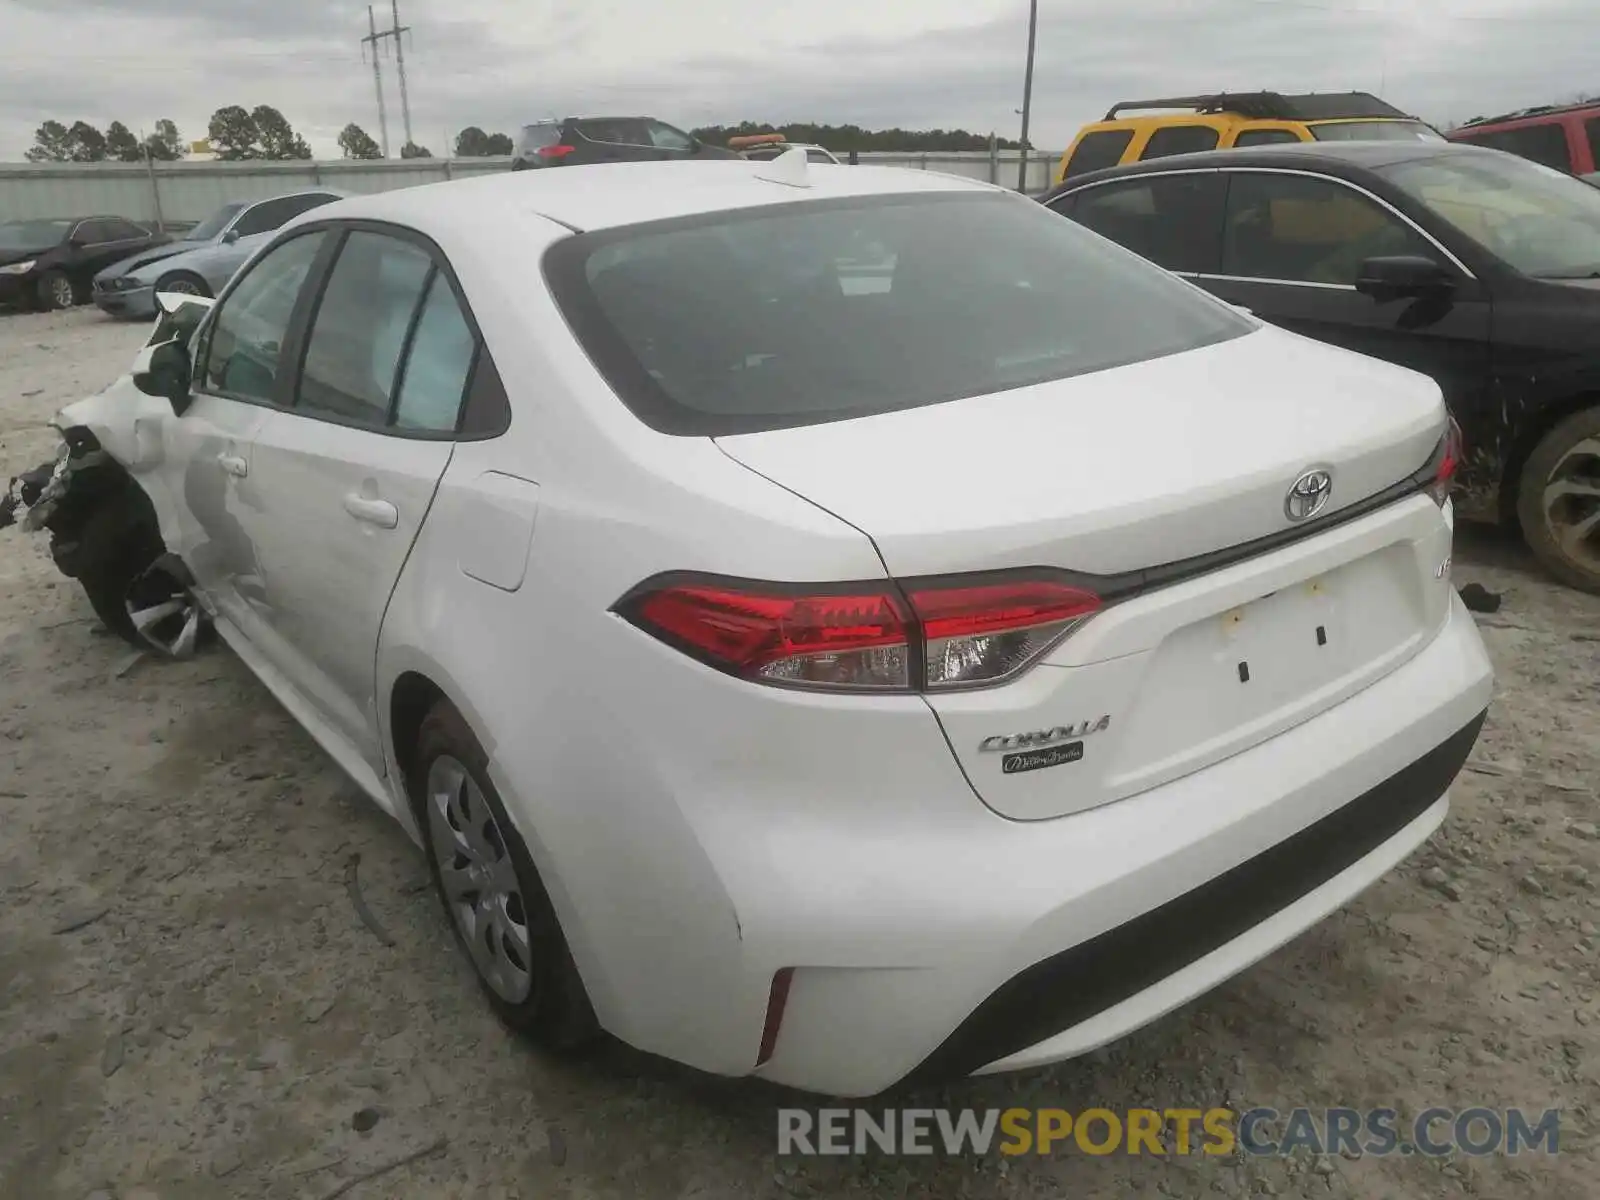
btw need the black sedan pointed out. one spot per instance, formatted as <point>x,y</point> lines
<point>51,263</point>
<point>1474,266</point>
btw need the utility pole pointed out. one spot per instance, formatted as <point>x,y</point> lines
<point>1027,93</point>
<point>377,77</point>
<point>395,30</point>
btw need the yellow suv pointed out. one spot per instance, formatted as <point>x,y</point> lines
<point>1227,120</point>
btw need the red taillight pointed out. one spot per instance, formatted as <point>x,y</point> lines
<point>956,633</point>
<point>1448,463</point>
<point>554,153</point>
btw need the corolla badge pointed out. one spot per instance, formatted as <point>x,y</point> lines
<point>1037,738</point>
<point>1309,494</point>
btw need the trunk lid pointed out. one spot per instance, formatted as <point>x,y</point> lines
<point>1131,469</point>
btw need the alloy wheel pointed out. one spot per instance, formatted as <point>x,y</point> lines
<point>479,880</point>
<point>164,613</point>
<point>183,287</point>
<point>1572,503</point>
<point>61,293</point>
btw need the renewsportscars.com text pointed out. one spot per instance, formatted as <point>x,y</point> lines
<point>1433,1132</point>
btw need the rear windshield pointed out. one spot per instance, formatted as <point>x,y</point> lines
<point>1375,131</point>
<point>537,136</point>
<point>826,310</point>
<point>214,224</point>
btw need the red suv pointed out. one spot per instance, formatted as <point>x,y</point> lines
<point>1564,137</point>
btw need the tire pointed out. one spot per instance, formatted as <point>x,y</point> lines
<point>185,282</point>
<point>555,1011</point>
<point>58,290</point>
<point>1568,453</point>
<point>112,551</point>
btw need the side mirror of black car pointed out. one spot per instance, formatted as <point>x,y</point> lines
<point>1403,276</point>
<point>167,374</point>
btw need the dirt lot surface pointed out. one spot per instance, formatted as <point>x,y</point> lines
<point>192,1008</point>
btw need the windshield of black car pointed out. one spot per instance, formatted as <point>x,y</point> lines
<point>33,235</point>
<point>1375,131</point>
<point>1535,218</point>
<point>214,224</point>
<point>826,310</point>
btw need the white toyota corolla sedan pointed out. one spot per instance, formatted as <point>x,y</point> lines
<point>837,625</point>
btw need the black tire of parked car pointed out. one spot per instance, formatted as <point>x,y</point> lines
<point>1536,475</point>
<point>557,1014</point>
<point>185,282</point>
<point>56,289</point>
<point>114,547</point>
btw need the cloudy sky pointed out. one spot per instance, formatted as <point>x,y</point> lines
<point>913,63</point>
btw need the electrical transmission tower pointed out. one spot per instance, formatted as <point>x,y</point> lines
<point>374,37</point>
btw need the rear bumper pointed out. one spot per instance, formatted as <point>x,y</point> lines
<point>928,934</point>
<point>1084,997</point>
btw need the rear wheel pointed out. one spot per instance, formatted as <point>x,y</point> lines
<point>1558,500</point>
<point>494,897</point>
<point>184,283</point>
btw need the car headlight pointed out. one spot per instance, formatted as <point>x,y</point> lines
<point>21,268</point>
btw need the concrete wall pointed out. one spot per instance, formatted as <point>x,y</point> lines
<point>185,192</point>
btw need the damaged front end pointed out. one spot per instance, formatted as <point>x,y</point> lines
<point>60,495</point>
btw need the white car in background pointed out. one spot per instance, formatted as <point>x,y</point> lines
<point>832,685</point>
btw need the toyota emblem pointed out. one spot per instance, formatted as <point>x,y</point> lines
<point>1309,494</point>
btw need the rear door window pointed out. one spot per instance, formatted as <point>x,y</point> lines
<point>619,131</point>
<point>1263,137</point>
<point>817,311</point>
<point>1103,148</point>
<point>1173,220</point>
<point>352,357</point>
<point>1180,139</point>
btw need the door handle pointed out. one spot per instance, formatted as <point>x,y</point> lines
<point>233,465</point>
<point>374,512</point>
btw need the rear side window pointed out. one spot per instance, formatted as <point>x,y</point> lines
<point>831,309</point>
<point>1591,127</point>
<point>1173,220</point>
<point>1263,137</point>
<point>437,364</point>
<point>1180,139</point>
<point>1546,144</point>
<point>1104,148</point>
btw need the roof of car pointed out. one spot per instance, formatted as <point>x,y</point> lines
<point>607,195</point>
<point>1307,155</point>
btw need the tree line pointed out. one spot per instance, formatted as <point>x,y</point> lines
<point>82,142</point>
<point>237,133</point>
<point>842,139</point>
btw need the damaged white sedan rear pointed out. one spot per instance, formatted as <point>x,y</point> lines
<point>831,625</point>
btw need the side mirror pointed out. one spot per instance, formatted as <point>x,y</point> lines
<point>1401,276</point>
<point>167,374</point>
<point>230,237</point>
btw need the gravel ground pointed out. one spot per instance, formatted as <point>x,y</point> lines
<point>192,1008</point>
